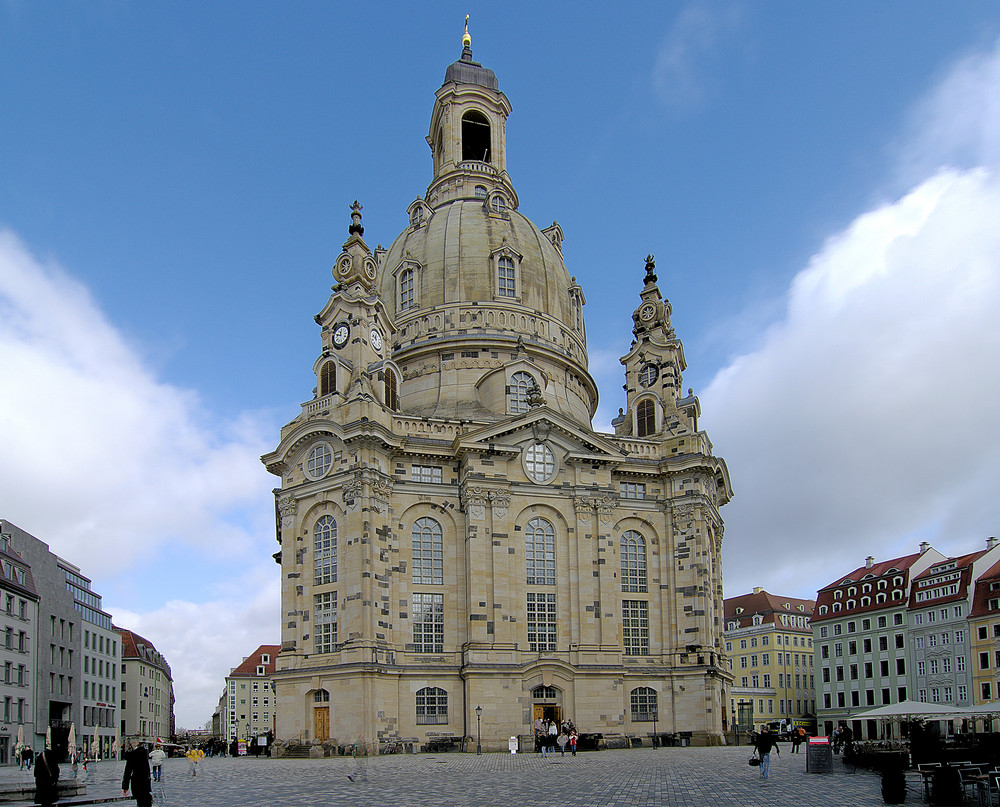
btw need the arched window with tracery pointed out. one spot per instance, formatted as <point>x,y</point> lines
<point>325,550</point>
<point>540,552</point>
<point>642,701</point>
<point>428,552</point>
<point>520,383</point>
<point>645,418</point>
<point>327,378</point>
<point>633,557</point>
<point>432,706</point>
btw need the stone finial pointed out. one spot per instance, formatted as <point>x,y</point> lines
<point>356,228</point>
<point>650,266</point>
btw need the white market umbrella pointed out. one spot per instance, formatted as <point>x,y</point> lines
<point>909,709</point>
<point>71,742</point>
<point>114,746</point>
<point>48,738</point>
<point>95,745</point>
<point>19,742</point>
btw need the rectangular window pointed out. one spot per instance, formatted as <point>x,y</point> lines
<point>960,663</point>
<point>868,670</point>
<point>632,490</point>
<point>432,706</point>
<point>984,661</point>
<point>428,623</point>
<point>985,690</point>
<point>505,278</point>
<point>901,666</point>
<point>325,621</point>
<point>541,622</point>
<point>426,473</point>
<point>963,693</point>
<point>867,645</point>
<point>635,627</point>
<point>883,643</point>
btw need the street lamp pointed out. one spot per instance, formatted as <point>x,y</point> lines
<point>479,730</point>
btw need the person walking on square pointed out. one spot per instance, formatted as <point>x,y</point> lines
<point>764,743</point>
<point>563,740</point>
<point>796,740</point>
<point>156,761</point>
<point>136,777</point>
<point>46,778</point>
<point>572,741</point>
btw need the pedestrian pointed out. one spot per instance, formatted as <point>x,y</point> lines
<point>796,741</point>
<point>193,755</point>
<point>136,776</point>
<point>46,778</point>
<point>553,734</point>
<point>29,756</point>
<point>764,743</point>
<point>156,761</point>
<point>539,727</point>
<point>563,741</point>
<point>572,741</point>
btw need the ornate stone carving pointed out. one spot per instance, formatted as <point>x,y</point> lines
<point>287,507</point>
<point>500,501</point>
<point>540,428</point>
<point>474,500</point>
<point>606,508</point>
<point>381,491</point>
<point>352,492</point>
<point>584,509</point>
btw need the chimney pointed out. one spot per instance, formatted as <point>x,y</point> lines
<point>924,546</point>
<point>991,542</point>
<point>869,561</point>
<point>757,589</point>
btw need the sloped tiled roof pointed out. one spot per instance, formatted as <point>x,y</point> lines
<point>743,608</point>
<point>248,667</point>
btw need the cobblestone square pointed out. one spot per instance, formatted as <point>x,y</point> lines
<point>679,777</point>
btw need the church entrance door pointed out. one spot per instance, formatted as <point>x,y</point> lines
<point>321,722</point>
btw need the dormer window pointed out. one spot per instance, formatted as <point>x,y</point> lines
<point>505,278</point>
<point>498,204</point>
<point>391,392</point>
<point>645,418</point>
<point>506,273</point>
<point>480,191</point>
<point>475,137</point>
<point>328,378</point>
<point>517,393</point>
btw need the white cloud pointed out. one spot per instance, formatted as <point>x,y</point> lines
<point>203,641</point>
<point>97,452</point>
<point>130,478</point>
<point>680,76</point>
<point>868,419</point>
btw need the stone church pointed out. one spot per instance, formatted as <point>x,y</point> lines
<point>461,552</point>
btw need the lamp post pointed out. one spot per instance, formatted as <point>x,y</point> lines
<point>479,730</point>
<point>655,744</point>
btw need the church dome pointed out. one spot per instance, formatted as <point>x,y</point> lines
<point>471,278</point>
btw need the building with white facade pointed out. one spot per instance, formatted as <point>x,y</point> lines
<point>249,705</point>
<point>146,690</point>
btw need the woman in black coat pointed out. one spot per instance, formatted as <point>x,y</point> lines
<point>46,778</point>
<point>136,777</point>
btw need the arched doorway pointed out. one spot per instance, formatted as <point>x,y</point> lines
<point>321,715</point>
<point>546,704</point>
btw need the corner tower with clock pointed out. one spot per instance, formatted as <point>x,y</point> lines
<point>453,530</point>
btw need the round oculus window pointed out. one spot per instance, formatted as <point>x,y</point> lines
<point>539,463</point>
<point>319,461</point>
<point>648,375</point>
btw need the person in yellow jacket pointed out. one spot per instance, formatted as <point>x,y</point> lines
<point>194,755</point>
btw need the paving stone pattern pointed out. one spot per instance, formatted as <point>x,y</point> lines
<point>679,777</point>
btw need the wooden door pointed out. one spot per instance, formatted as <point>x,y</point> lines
<point>321,722</point>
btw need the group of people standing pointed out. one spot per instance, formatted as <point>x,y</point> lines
<point>550,736</point>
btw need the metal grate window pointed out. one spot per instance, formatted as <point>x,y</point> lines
<point>325,621</point>
<point>428,623</point>
<point>541,622</point>
<point>635,627</point>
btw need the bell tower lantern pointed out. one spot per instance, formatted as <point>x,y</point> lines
<point>468,135</point>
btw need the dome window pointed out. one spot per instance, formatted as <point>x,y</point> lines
<point>480,191</point>
<point>520,383</point>
<point>475,137</point>
<point>406,290</point>
<point>506,286</point>
<point>498,204</point>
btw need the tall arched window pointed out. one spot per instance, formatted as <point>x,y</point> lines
<point>406,290</point>
<point>540,552</point>
<point>645,418</point>
<point>391,393</point>
<point>520,383</point>
<point>633,556</point>
<point>432,706</point>
<point>475,136</point>
<point>428,552</point>
<point>643,704</point>
<point>325,550</point>
<point>328,378</point>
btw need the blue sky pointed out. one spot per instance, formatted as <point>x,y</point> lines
<point>818,183</point>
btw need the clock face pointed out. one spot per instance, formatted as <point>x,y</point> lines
<point>647,312</point>
<point>648,375</point>
<point>376,339</point>
<point>341,333</point>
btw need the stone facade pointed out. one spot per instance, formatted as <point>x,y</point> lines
<point>454,534</point>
